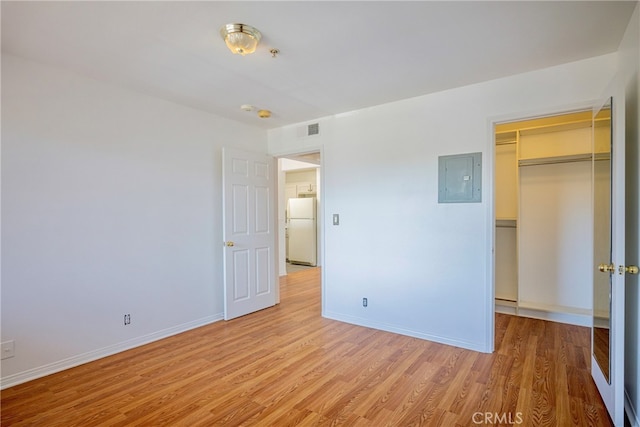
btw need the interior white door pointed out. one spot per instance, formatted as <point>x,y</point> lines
<point>249,190</point>
<point>607,356</point>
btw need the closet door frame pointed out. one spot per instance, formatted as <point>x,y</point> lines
<point>492,122</point>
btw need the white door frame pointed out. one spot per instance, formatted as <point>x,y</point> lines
<point>612,400</point>
<point>320,213</point>
<point>490,179</point>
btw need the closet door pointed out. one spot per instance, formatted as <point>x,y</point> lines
<point>609,374</point>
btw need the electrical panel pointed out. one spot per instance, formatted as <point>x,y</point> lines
<point>460,178</point>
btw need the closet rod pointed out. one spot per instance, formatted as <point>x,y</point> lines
<point>555,160</point>
<point>505,226</point>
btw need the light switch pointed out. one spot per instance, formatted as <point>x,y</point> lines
<point>336,219</point>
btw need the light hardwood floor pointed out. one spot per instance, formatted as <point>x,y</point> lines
<point>288,366</point>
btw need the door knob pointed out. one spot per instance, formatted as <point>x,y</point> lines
<point>229,244</point>
<point>632,269</point>
<point>607,268</point>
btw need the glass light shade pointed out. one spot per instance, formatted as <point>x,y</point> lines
<point>241,39</point>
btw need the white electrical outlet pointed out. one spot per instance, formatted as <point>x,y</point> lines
<point>8,349</point>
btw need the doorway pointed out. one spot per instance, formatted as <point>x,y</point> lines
<point>299,212</point>
<point>543,219</point>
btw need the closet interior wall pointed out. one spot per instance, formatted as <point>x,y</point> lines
<point>544,219</point>
<point>506,284</point>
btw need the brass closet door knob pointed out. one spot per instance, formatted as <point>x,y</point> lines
<point>607,268</point>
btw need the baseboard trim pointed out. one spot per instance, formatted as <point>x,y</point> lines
<point>71,362</point>
<point>506,307</point>
<point>629,410</point>
<point>408,332</point>
<point>569,318</point>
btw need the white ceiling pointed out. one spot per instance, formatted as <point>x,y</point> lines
<point>335,56</point>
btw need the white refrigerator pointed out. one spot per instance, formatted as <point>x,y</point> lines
<point>302,231</point>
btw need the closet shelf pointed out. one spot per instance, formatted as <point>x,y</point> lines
<point>571,120</point>
<point>505,138</point>
<point>558,127</point>
<point>556,159</point>
<point>506,222</point>
<point>582,157</point>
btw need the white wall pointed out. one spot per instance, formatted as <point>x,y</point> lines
<point>555,231</point>
<point>506,212</point>
<point>424,266</point>
<point>630,78</point>
<point>111,204</point>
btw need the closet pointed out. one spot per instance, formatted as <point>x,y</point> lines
<point>544,226</point>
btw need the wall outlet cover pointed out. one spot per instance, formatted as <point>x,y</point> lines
<point>8,349</point>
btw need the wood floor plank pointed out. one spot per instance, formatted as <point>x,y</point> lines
<point>288,366</point>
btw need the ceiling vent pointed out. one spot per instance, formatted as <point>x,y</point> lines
<point>313,129</point>
<point>308,130</point>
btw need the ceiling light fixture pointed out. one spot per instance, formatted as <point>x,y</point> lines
<point>264,114</point>
<point>240,38</point>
